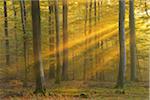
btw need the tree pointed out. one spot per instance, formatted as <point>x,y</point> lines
<point>16,38</point>
<point>95,9</point>
<point>132,40</point>
<point>51,39</point>
<point>85,32</point>
<point>65,41</point>
<point>86,16</point>
<point>90,16</point>
<point>58,77</point>
<point>6,34</point>
<point>146,8</point>
<point>38,67</point>
<point>122,63</point>
<point>23,20</point>
<point>99,8</point>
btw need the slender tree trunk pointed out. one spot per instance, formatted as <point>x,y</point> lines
<point>6,34</point>
<point>96,40</point>
<point>16,38</point>
<point>98,4</point>
<point>74,65</point>
<point>58,69</point>
<point>86,17</point>
<point>65,41</point>
<point>85,32</point>
<point>132,41</point>
<point>89,51</point>
<point>23,20</point>
<point>146,8</point>
<point>95,11</point>
<point>99,8</point>
<point>38,68</point>
<point>51,40</point>
<point>122,63</point>
<point>90,16</point>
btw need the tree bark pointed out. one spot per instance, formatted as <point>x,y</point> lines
<point>65,41</point>
<point>95,11</point>
<point>85,33</point>
<point>51,40</point>
<point>16,38</point>
<point>122,63</point>
<point>38,67</point>
<point>146,8</point>
<point>90,16</point>
<point>23,20</point>
<point>58,69</point>
<point>133,57</point>
<point>6,33</point>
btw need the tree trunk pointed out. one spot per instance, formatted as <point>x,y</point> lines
<point>51,40</point>
<point>122,63</point>
<point>85,33</point>
<point>99,8</point>
<point>16,38</point>
<point>23,20</point>
<point>132,41</point>
<point>90,16</point>
<point>65,41</point>
<point>58,70</point>
<point>6,34</point>
<point>38,67</point>
<point>95,11</point>
<point>146,8</point>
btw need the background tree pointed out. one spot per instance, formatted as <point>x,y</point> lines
<point>58,69</point>
<point>95,10</point>
<point>99,4</point>
<point>65,41</point>
<point>23,20</point>
<point>6,33</point>
<point>38,67</point>
<point>90,16</point>
<point>132,41</point>
<point>146,8</point>
<point>52,37</point>
<point>85,33</point>
<point>16,37</point>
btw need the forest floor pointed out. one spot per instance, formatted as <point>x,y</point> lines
<point>75,90</point>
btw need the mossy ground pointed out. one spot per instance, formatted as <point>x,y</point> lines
<point>78,90</point>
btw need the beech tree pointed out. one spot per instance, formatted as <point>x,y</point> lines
<point>51,30</point>
<point>132,41</point>
<point>38,67</point>
<point>95,11</point>
<point>58,68</point>
<point>65,41</point>
<point>23,20</point>
<point>122,62</point>
<point>85,33</point>
<point>6,33</point>
<point>16,37</point>
<point>90,16</point>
